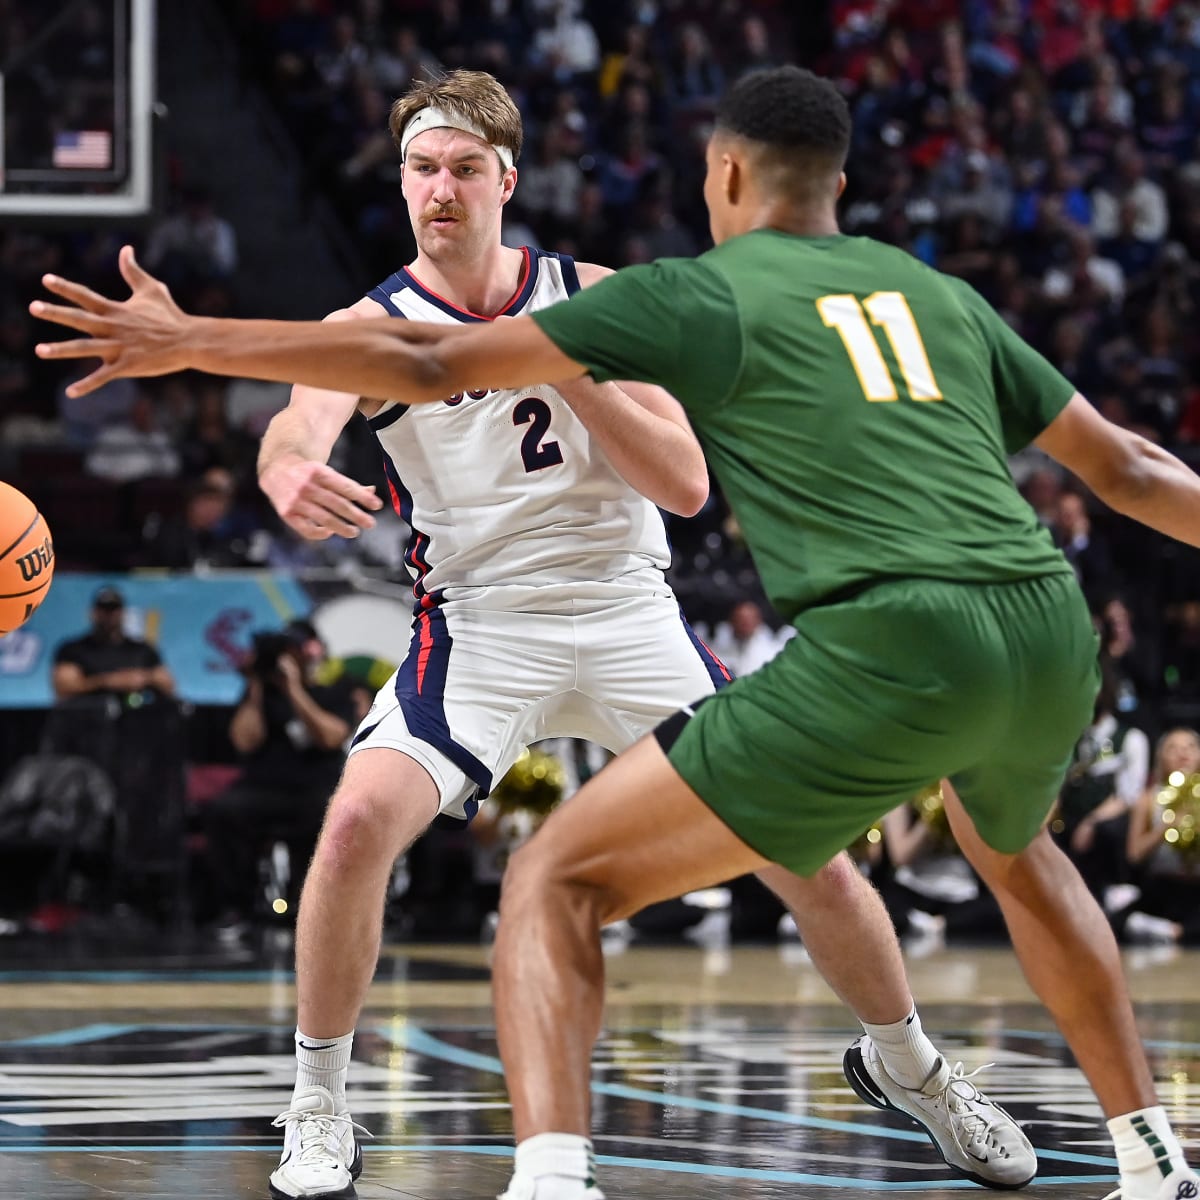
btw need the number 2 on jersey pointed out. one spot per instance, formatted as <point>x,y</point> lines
<point>535,454</point>
<point>890,311</point>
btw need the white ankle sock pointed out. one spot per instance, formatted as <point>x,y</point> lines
<point>324,1062</point>
<point>562,1164</point>
<point>908,1055</point>
<point>1147,1150</point>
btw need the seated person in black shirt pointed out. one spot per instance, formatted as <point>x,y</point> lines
<point>106,660</point>
<point>289,733</point>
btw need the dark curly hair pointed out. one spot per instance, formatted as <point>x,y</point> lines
<point>800,121</point>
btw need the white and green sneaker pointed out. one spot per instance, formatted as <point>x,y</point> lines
<point>1178,1185</point>
<point>524,1187</point>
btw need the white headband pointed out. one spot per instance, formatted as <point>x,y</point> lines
<point>440,118</point>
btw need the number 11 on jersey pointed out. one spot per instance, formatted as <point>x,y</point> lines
<point>889,311</point>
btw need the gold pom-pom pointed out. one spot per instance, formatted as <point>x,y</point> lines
<point>535,783</point>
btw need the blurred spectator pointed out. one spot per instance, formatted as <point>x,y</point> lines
<point>193,245</point>
<point>552,183</point>
<point>1085,276</point>
<point>1023,129</point>
<point>137,448</point>
<point>694,78</point>
<point>84,417</point>
<point>565,41</point>
<point>402,63</point>
<point>16,376</point>
<point>1163,905</point>
<point>342,59</point>
<point>633,63</point>
<point>106,660</point>
<point>663,235</point>
<point>1072,353</point>
<point>753,50</point>
<point>209,532</point>
<point>982,188</point>
<point>746,642</point>
<point>926,885</point>
<point>209,440</point>
<point>624,172</point>
<point>1131,659</point>
<point>1043,490</point>
<point>968,252</point>
<point>1130,185</point>
<point>1133,254</point>
<point>1085,550</point>
<point>1169,130</point>
<point>1107,775</point>
<point>289,734</point>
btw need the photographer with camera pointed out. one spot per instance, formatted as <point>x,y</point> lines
<point>289,733</point>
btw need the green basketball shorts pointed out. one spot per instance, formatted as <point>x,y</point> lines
<point>880,695</point>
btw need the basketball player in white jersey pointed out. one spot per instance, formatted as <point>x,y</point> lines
<point>541,610</point>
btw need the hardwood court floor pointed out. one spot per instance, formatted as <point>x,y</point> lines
<point>156,1074</point>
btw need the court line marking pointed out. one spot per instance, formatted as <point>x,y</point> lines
<point>649,1164</point>
<point>414,1038</point>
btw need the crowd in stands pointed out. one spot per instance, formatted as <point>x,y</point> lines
<point>1048,151</point>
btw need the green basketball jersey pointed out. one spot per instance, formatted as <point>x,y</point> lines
<point>856,406</point>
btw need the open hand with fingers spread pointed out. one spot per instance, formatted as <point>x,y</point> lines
<point>316,501</point>
<point>143,335</point>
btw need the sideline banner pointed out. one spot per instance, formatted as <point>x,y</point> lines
<point>200,625</point>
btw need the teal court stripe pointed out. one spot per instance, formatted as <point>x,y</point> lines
<point>646,1164</point>
<point>420,1042</point>
<point>73,1037</point>
<point>82,1034</point>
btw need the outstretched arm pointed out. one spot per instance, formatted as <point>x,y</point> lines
<point>148,334</point>
<point>1130,474</point>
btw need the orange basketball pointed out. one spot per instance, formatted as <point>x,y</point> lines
<point>26,558</point>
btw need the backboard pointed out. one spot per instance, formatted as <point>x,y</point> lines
<point>77,100</point>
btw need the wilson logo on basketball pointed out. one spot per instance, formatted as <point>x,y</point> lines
<point>36,561</point>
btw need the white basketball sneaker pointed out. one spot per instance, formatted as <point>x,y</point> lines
<point>976,1138</point>
<point>321,1156</point>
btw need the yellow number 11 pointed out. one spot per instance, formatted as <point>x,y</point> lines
<point>890,311</point>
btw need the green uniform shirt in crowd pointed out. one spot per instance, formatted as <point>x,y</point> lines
<point>856,406</point>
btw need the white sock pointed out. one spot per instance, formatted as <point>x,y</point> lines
<point>909,1057</point>
<point>1147,1150</point>
<point>562,1164</point>
<point>324,1062</point>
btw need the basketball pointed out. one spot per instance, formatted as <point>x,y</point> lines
<point>26,558</point>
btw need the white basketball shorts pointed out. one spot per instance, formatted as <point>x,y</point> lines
<point>479,685</point>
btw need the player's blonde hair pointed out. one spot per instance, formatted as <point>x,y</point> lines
<point>475,95</point>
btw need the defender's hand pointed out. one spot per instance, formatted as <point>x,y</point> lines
<point>316,501</point>
<point>144,335</point>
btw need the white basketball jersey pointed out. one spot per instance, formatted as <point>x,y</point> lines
<point>507,497</point>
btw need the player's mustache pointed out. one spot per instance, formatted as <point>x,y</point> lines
<point>444,210</point>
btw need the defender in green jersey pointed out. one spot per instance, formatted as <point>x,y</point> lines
<point>856,408</point>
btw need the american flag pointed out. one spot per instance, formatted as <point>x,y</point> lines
<point>91,148</point>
